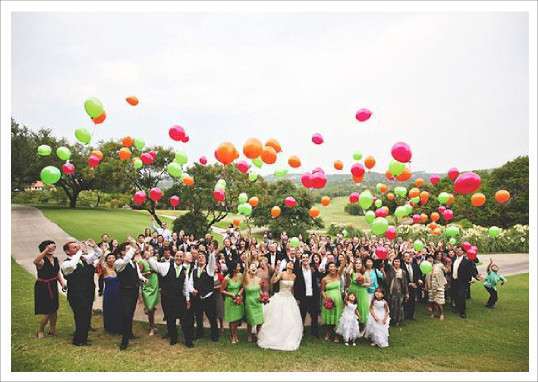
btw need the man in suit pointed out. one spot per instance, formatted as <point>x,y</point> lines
<point>203,300</point>
<point>307,291</point>
<point>414,282</point>
<point>230,254</point>
<point>463,270</point>
<point>273,256</point>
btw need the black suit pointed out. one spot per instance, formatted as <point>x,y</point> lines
<point>466,271</point>
<point>230,255</point>
<point>409,305</point>
<point>202,303</point>
<point>308,304</point>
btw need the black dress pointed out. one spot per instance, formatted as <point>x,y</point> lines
<point>46,287</point>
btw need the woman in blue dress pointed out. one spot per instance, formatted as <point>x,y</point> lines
<point>111,297</point>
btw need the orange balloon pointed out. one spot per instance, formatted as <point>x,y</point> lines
<point>188,180</point>
<point>478,199</point>
<point>383,188</point>
<point>274,144</point>
<point>419,182</point>
<point>325,201</point>
<point>313,212</point>
<point>405,175</point>
<point>127,141</point>
<point>414,192</point>
<point>390,196</point>
<point>226,153</point>
<point>132,100</point>
<point>338,165</point>
<point>502,196</point>
<point>252,148</point>
<point>294,161</point>
<point>236,222</point>
<point>424,197</point>
<point>437,231</point>
<point>275,211</point>
<point>124,153</point>
<point>358,179</point>
<point>98,154</point>
<point>253,201</point>
<point>434,216</point>
<point>268,155</point>
<point>386,209</point>
<point>432,226</point>
<point>450,200</point>
<point>389,175</point>
<point>369,162</point>
<point>99,119</point>
<point>423,218</point>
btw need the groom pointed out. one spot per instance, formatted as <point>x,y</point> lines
<point>307,291</point>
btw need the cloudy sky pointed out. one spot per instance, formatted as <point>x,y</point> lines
<point>454,86</point>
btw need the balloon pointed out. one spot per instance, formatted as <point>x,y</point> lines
<point>63,153</point>
<point>502,196</point>
<point>306,180</point>
<point>185,139</point>
<point>401,152</point>
<point>414,192</point>
<point>294,161</point>
<point>97,153</point>
<point>187,180</point>
<point>389,175</point>
<point>441,209</point>
<point>466,246</point>
<point>219,195</point>
<point>99,119</point>
<point>317,139</point>
<point>221,182</point>
<point>290,202</point>
<point>365,199</point>
<point>434,179</point>
<point>357,155</point>
<point>139,197</point>
<point>252,148</point>
<point>147,158</point>
<point>452,241</point>
<point>380,226</point>
<point>418,245</point>
<point>93,161</point>
<point>434,216</point>
<point>174,169</point>
<point>50,175</point>
<point>177,133</point>
<point>245,209</point>
<point>424,197</point>
<point>268,155</point>
<point>275,211</point>
<point>453,173</point>
<point>357,170</point>
<point>390,196</point>
<point>127,141</point>
<point>294,242</point>
<point>174,200</point>
<point>452,231</point>
<point>83,135</point>
<point>381,188</point>
<point>253,201</point>
<point>391,233</point>
<point>313,212</point>
<point>471,254</point>
<point>369,162</point>
<point>132,100</point>
<point>202,160</point>
<point>243,197</point>
<point>226,153</point>
<point>448,214</point>
<point>325,201</point>
<point>155,194</point>
<point>281,172</point>
<point>381,252</point>
<point>124,153</point>
<point>381,212</point>
<point>338,165</point>
<point>423,218</point>
<point>139,143</point>
<point>252,176</point>
<point>443,197</point>
<point>68,168</point>
<point>405,175</point>
<point>93,107</point>
<point>378,203</point>
<point>369,216</point>
<point>137,163</point>
<point>345,233</point>
<point>396,168</point>
<point>242,166</point>
<point>181,158</point>
<point>419,182</point>
<point>257,162</point>
<point>416,218</point>
<point>354,197</point>
<point>363,115</point>
<point>153,154</point>
<point>358,179</point>
<point>400,212</point>
<point>467,183</point>
<point>494,231</point>
<point>274,144</point>
<point>425,267</point>
<point>44,150</point>
<point>400,191</point>
<point>478,199</point>
<point>236,222</point>
<point>318,179</point>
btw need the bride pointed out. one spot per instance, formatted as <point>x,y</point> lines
<point>282,328</point>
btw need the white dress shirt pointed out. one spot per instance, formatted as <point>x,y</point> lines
<point>210,269</point>
<point>410,271</point>
<point>307,275</point>
<point>120,264</point>
<point>165,232</point>
<point>456,267</point>
<point>70,264</point>
<point>163,268</point>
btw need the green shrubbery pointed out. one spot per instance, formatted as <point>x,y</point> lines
<point>57,197</point>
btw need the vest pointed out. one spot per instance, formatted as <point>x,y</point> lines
<point>80,282</point>
<point>203,284</point>
<point>172,285</point>
<point>128,277</point>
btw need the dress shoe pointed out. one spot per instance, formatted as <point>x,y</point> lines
<point>462,315</point>
<point>189,345</point>
<point>173,342</point>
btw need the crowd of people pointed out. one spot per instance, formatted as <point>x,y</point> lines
<point>271,285</point>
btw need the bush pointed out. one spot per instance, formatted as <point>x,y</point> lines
<point>353,209</point>
<point>192,223</point>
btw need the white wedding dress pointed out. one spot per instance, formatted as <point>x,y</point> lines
<point>282,327</point>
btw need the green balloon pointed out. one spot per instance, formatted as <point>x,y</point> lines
<point>50,175</point>
<point>44,150</point>
<point>443,197</point>
<point>257,162</point>
<point>139,143</point>
<point>408,209</point>
<point>426,267</point>
<point>400,212</point>
<point>400,191</point>
<point>378,203</point>
<point>380,226</point>
<point>452,241</point>
<point>366,199</point>
<point>181,157</point>
<point>345,233</point>
<point>244,209</point>
<point>252,176</point>
<point>416,199</point>
<point>174,169</point>
<point>281,172</point>
<point>452,231</point>
<point>294,242</point>
<point>396,168</point>
<point>93,107</point>
<point>137,163</point>
<point>83,135</point>
<point>494,231</point>
<point>418,245</point>
<point>63,153</point>
<point>243,197</point>
<point>357,155</point>
<point>369,216</point>
<point>378,187</point>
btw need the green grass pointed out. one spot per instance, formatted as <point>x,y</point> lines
<point>334,214</point>
<point>489,340</point>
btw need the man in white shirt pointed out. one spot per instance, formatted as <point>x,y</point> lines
<point>462,273</point>
<point>307,291</point>
<point>164,231</point>
<point>203,299</point>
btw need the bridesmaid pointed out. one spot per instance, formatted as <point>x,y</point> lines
<point>46,287</point>
<point>150,289</point>
<point>330,287</point>
<point>253,306</point>
<point>234,308</point>
<point>359,283</point>
<point>111,297</point>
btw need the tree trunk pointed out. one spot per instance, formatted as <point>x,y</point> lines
<point>151,210</point>
<point>98,199</point>
<point>73,200</point>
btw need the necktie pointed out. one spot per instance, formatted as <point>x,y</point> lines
<point>178,269</point>
<point>199,272</point>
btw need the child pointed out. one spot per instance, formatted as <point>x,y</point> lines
<point>490,283</point>
<point>348,327</point>
<point>377,328</point>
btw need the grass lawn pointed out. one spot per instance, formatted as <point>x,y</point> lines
<point>489,340</point>
<point>334,214</point>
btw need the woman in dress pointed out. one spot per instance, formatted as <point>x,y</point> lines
<point>111,297</point>
<point>234,309</point>
<point>377,329</point>
<point>263,273</point>
<point>283,327</point>
<point>375,278</point>
<point>438,283</point>
<point>358,285</point>
<point>332,303</point>
<point>150,289</point>
<point>253,306</point>
<point>46,287</point>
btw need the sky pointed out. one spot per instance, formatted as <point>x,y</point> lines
<point>454,86</point>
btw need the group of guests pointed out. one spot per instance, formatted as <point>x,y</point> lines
<point>270,285</point>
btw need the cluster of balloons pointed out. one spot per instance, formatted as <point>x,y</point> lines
<point>315,179</point>
<point>95,110</point>
<point>244,204</point>
<point>51,174</point>
<point>178,134</point>
<point>219,192</point>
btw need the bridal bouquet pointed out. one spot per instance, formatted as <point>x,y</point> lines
<point>264,297</point>
<point>238,300</point>
<point>328,303</point>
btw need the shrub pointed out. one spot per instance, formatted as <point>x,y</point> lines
<point>192,223</point>
<point>353,209</point>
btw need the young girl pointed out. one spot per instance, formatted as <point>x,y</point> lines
<point>377,328</point>
<point>490,283</point>
<point>348,327</point>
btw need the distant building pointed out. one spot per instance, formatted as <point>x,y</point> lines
<point>37,186</point>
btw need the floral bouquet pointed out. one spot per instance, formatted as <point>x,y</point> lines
<point>264,297</point>
<point>238,300</point>
<point>328,303</point>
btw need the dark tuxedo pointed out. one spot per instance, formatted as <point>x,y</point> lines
<point>273,259</point>
<point>460,282</point>
<point>129,285</point>
<point>230,255</point>
<point>413,277</point>
<point>308,304</point>
<point>204,302</point>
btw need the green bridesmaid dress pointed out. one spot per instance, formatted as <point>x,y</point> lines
<point>150,290</point>
<point>332,316</point>
<point>253,305</point>
<point>232,311</point>
<point>363,300</point>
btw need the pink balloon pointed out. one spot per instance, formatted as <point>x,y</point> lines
<point>242,166</point>
<point>93,161</point>
<point>354,197</point>
<point>290,202</point>
<point>471,253</point>
<point>177,133</point>
<point>185,139</point>
<point>219,195</point>
<point>441,209</point>
<point>69,168</point>
<point>453,173</point>
<point>381,213</point>
<point>319,180</point>
<point>401,152</point>
<point>363,115</point>
<point>448,214</point>
<point>155,194</point>
<point>153,154</point>
<point>467,183</point>
<point>317,139</point>
<point>416,218</point>
<point>174,200</point>
<point>139,197</point>
<point>466,246</point>
<point>357,170</point>
<point>381,252</point>
<point>391,232</point>
<point>203,160</point>
<point>434,179</point>
<point>306,180</point>
<point>146,158</point>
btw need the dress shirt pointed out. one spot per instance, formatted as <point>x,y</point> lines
<point>456,267</point>
<point>307,275</point>
<point>165,232</point>
<point>163,268</point>
<point>410,271</point>
<point>70,264</point>
<point>120,264</point>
